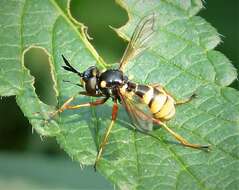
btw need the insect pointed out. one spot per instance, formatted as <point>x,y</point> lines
<point>145,104</point>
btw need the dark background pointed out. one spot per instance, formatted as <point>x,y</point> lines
<point>26,161</point>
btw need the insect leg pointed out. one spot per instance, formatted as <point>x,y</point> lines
<point>66,105</point>
<point>185,100</point>
<point>62,108</point>
<point>182,140</point>
<point>88,104</point>
<point>107,133</point>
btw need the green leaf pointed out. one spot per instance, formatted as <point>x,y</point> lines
<point>181,58</point>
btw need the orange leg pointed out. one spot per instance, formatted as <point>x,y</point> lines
<point>66,105</point>
<point>107,133</point>
<point>178,137</point>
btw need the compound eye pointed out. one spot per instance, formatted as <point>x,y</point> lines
<point>91,85</point>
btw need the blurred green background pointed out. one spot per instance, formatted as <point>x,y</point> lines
<point>29,162</point>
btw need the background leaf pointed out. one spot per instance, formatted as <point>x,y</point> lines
<point>37,172</point>
<point>181,58</point>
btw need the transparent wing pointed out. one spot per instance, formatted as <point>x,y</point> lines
<point>138,42</point>
<point>138,112</point>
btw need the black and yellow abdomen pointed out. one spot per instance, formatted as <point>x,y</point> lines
<point>161,104</point>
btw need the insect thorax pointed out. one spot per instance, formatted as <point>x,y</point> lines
<point>110,81</point>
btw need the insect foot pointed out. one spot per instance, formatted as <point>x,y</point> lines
<point>50,116</point>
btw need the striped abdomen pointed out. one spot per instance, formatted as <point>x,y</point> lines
<point>159,102</point>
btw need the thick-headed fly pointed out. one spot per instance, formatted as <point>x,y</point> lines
<point>145,104</point>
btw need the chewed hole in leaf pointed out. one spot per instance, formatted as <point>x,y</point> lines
<point>107,43</point>
<point>38,62</point>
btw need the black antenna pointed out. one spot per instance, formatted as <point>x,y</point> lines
<point>68,67</point>
<point>73,83</point>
